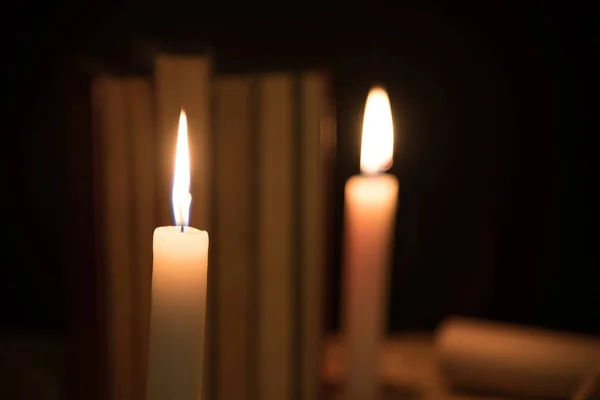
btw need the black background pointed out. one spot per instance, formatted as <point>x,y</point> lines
<point>494,126</point>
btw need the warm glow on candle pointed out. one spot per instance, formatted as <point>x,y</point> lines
<point>181,182</point>
<point>377,145</point>
<point>370,201</point>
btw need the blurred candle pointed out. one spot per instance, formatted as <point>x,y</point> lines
<point>178,294</point>
<point>370,209</point>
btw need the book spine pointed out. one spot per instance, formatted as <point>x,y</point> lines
<point>233,231</point>
<point>314,172</point>
<point>139,98</point>
<point>116,206</point>
<point>275,208</point>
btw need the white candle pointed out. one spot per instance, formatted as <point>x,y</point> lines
<point>178,295</point>
<point>370,208</point>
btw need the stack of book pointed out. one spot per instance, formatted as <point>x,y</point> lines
<point>261,152</point>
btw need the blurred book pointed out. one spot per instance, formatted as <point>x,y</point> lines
<point>274,155</point>
<point>114,178</point>
<point>262,152</point>
<point>134,197</point>
<point>277,227</point>
<point>125,133</point>
<point>234,243</point>
<point>139,106</point>
<point>107,114</point>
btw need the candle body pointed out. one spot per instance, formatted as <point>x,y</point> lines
<point>370,209</point>
<point>178,313</point>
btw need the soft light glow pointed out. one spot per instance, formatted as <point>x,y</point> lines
<point>181,182</point>
<point>377,145</point>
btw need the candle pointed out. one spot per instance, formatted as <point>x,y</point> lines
<point>370,208</point>
<point>178,294</point>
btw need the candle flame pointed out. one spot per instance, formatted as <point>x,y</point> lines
<point>377,145</point>
<point>181,182</point>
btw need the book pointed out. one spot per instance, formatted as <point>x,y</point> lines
<point>316,173</point>
<point>276,232</point>
<point>125,176</point>
<point>109,123</point>
<point>234,232</point>
<point>260,151</point>
<point>141,130</point>
<point>274,141</point>
<point>116,238</point>
<point>134,128</point>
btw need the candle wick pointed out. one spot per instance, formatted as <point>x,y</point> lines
<point>181,228</point>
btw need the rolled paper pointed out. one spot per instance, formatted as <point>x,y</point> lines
<point>513,360</point>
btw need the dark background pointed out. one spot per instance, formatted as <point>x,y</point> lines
<point>492,106</point>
